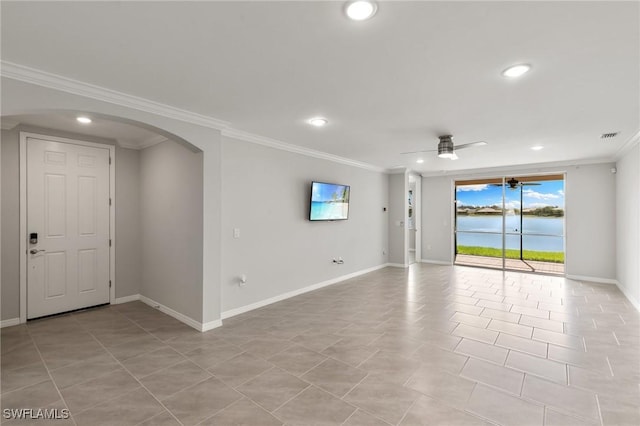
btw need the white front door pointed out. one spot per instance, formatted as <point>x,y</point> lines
<point>68,209</point>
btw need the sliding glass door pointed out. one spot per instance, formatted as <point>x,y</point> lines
<point>511,223</point>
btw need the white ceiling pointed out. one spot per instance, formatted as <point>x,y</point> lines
<point>387,85</point>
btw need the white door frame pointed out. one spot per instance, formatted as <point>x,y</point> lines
<point>23,213</point>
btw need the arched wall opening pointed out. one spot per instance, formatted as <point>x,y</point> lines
<point>159,206</point>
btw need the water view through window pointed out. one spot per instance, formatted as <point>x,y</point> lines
<point>529,222</point>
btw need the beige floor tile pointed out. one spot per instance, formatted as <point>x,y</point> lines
<point>84,370</point>
<point>297,359</point>
<point>24,376</point>
<point>557,326</point>
<point>559,339</point>
<point>483,351</point>
<point>474,320</point>
<point>198,402</point>
<point>428,411</point>
<point>555,418</point>
<point>434,357</point>
<point>349,353</point>
<point>382,399</point>
<point>265,347</point>
<point>451,389</point>
<point>140,346</point>
<point>240,369</point>
<point>398,338</point>
<point>617,412</point>
<point>494,375</point>
<point>314,407</point>
<point>108,386</point>
<point>335,377</point>
<point>242,412</point>
<point>510,328</point>
<point>360,418</point>
<point>390,366</point>
<point>475,333</point>
<point>162,419</point>
<point>504,409</point>
<point>530,364</point>
<point>129,409</point>
<point>34,396</point>
<point>500,315</point>
<point>210,355</point>
<point>145,364</point>
<point>272,388</point>
<point>521,344</point>
<point>533,312</point>
<point>566,399</point>
<point>166,382</point>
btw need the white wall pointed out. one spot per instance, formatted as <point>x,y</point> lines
<point>171,227</point>
<point>437,216</point>
<point>10,216</point>
<point>590,218</point>
<point>266,196</point>
<point>628,224</point>
<point>128,245</point>
<point>398,218</point>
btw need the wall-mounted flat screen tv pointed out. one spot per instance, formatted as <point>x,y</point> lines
<point>329,201</point>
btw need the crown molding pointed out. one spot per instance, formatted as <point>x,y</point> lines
<point>627,146</point>
<point>53,81</point>
<point>273,143</point>
<point>520,168</point>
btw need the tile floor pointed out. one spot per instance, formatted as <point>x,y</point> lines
<point>426,345</point>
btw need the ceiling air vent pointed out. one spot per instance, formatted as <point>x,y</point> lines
<point>609,135</point>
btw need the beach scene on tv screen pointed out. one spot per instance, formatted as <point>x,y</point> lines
<point>329,202</point>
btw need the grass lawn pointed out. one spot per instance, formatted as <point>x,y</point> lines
<point>543,256</point>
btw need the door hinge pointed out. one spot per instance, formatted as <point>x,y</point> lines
<point>109,160</point>
<point>109,242</point>
<point>109,201</point>
<point>109,283</point>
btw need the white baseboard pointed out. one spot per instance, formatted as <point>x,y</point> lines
<point>181,317</point>
<point>592,279</point>
<point>211,325</point>
<point>126,299</point>
<point>9,322</point>
<point>397,265</point>
<point>435,262</point>
<point>628,295</point>
<point>241,310</point>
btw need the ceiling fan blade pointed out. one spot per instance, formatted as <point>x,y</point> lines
<point>418,152</point>
<point>529,183</point>
<point>470,145</point>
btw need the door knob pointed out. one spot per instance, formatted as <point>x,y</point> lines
<point>34,251</point>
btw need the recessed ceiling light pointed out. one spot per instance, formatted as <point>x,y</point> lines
<point>318,121</point>
<point>419,161</point>
<point>537,147</point>
<point>83,120</point>
<point>361,10</point>
<point>516,70</point>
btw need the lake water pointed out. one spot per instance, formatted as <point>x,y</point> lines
<point>553,228</point>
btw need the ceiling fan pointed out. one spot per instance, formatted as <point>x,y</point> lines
<point>513,183</point>
<point>446,148</point>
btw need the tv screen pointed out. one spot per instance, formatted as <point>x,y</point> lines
<point>329,201</point>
